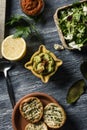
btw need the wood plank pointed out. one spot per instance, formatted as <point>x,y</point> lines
<point>2,20</point>
<point>24,82</point>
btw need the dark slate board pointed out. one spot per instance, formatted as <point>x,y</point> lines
<point>24,82</point>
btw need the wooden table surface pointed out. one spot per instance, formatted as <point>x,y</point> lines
<point>24,82</point>
<point>2,20</point>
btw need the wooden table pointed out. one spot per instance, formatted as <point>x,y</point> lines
<point>24,82</point>
<point>2,20</point>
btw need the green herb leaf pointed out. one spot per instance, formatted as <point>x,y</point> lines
<point>24,26</point>
<point>14,19</point>
<point>19,19</point>
<point>83,69</point>
<point>75,91</point>
<point>22,32</point>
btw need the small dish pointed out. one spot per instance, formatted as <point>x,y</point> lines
<point>18,122</point>
<point>46,66</point>
<point>32,7</point>
<point>69,38</point>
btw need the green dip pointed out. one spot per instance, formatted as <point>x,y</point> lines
<point>43,63</point>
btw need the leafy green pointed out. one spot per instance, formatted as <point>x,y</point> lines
<point>75,91</point>
<point>24,26</point>
<point>73,22</point>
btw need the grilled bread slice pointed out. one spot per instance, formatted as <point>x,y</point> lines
<point>54,115</point>
<point>36,126</point>
<point>31,109</point>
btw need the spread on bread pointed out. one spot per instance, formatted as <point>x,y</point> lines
<point>36,126</point>
<point>52,115</point>
<point>31,109</point>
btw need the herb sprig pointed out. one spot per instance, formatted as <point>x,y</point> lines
<point>24,26</point>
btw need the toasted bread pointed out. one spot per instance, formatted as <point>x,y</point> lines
<point>36,126</point>
<point>31,109</point>
<point>54,115</point>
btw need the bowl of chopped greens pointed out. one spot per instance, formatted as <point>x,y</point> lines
<point>71,23</point>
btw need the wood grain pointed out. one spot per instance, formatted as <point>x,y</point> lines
<point>2,20</point>
<point>24,82</point>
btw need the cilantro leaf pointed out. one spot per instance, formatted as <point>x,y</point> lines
<point>24,26</point>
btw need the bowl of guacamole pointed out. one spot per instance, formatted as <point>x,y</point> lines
<point>43,64</point>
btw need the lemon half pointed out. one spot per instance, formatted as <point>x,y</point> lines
<point>13,48</point>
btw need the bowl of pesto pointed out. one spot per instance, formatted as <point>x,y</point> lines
<point>71,23</point>
<point>43,64</point>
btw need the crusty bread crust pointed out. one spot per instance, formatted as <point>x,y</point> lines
<point>54,115</point>
<point>36,126</point>
<point>31,109</point>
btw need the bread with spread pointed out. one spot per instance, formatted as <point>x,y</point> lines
<point>40,116</point>
<point>31,109</point>
<point>36,126</point>
<point>54,115</point>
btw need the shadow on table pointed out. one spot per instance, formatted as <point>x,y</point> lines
<point>70,125</point>
<point>82,53</point>
<point>33,44</point>
<point>63,76</point>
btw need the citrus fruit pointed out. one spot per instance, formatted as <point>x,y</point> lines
<point>13,48</point>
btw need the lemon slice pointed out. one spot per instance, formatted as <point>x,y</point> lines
<point>13,48</point>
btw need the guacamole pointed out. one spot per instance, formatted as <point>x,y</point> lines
<point>43,63</point>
